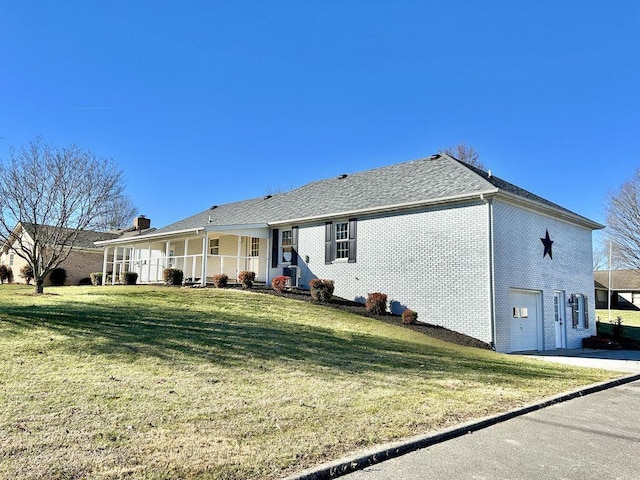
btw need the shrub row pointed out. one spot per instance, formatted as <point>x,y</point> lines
<point>172,276</point>
<point>280,282</point>
<point>6,274</point>
<point>247,279</point>
<point>321,289</point>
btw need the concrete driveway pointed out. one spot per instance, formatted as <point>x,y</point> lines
<point>591,437</point>
<point>627,361</point>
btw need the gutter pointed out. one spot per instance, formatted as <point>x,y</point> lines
<point>491,269</point>
<point>556,213</point>
<point>105,243</point>
<point>388,208</point>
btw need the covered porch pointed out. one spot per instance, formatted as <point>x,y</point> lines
<point>200,254</point>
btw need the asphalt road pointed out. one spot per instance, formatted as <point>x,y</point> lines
<point>591,437</point>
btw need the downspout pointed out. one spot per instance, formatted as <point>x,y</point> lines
<point>269,237</point>
<point>491,268</point>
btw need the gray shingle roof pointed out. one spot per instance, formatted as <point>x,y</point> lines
<point>424,180</point>
<point>85,238</point>
<point>625,280</point>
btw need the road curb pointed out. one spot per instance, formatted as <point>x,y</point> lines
<point>388,451</point>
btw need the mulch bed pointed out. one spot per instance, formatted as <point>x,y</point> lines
<point>434,331</point>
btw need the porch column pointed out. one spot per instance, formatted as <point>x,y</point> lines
<point>104,266</point>
<point>167,249</point>
<point>203,280</point>
<point>114,266</point>
<point>186,252</point>
<point>238,257</point>
<point>149,265</point>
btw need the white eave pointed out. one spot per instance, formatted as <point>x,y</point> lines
<point>149,236</point>
<point>391,208</point>
<point>557,213</point>
<point>182,233</point>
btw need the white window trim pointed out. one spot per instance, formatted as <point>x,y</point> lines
<point>213,246</point>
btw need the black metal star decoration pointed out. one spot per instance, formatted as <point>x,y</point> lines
<point>547,242</point>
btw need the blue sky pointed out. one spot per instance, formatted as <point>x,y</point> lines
<point>204,103</point>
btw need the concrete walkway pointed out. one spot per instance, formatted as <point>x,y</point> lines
<point>627,361</point>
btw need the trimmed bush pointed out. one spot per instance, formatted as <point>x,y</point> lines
<point>321,290</point>
<point>220,280</point>
<point>58,276</point>
<point>26,272</point>
<point>247,278</point>
<point>129,278</point>
<point>96,278</point>
<point>409,317</point>
<point>5,274</point>
<point>172,276</point>
<point>280,282</point>
<point>376,303</point>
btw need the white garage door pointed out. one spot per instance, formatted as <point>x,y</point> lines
<point>525,320</point>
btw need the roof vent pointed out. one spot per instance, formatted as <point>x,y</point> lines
<point>209,218</point>
<point>267,197</point>
<point>435,157</point>
<point>344,175</point>
<point>213,207</point>
<point>489,174</point>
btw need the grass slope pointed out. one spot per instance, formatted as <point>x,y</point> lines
<point>153,383</point>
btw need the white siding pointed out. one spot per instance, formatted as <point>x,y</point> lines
<point>434,262</point>
<point>519,264</point>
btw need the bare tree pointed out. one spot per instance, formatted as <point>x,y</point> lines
<point>601,253</point>
<point>623,220</point>
<point>120,213</point>
<point>57,193</point>
<point>466,154</point>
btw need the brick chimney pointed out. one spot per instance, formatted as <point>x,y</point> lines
<point>141,222</point>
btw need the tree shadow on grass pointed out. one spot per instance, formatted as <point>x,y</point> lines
<point>229,339</point>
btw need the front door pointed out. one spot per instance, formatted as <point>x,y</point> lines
<point>525,320</point>
<point>560,313</point>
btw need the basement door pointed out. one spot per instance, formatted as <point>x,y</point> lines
<point>526,321</point>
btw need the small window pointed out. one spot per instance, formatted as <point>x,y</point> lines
<point>342,240</point>
<point>10,259</point>
<point>579,310</point>
<point>287,242</point>
<point>255,247</point>
<point>516,312</point>
<point>214,246</point>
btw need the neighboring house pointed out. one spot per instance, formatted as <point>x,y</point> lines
<point>465,249</point>
<point>84,258</point>
<point>625,289</point>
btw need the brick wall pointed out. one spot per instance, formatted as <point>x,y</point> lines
<point>519,264</point>
<point>433,261</point>
<point>78,266</point>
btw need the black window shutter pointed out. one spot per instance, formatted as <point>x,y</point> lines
<point>294,245</point>
<point>352,240</point>
<point>328,242</point>
<point>274,248</point>
<point>586,312</point>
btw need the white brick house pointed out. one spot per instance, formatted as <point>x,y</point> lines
<point>464,249</point>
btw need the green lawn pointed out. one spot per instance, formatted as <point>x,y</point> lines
<point>154,383</point>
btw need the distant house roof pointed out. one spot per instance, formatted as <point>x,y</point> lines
<point>435,179</point>
<point>85,239</point>
<point>621,280</point>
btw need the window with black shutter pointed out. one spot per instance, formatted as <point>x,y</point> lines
<point>340,241</point>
